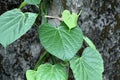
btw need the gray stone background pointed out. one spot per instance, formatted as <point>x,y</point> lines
<point>100,21</point>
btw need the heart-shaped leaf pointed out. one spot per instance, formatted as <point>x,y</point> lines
<point>31,75</point>
<point>14,24</point>
<point>51,72</point>
<point>70,19</point>
<point>61,42</point>
<point>33,1</point>
<point>89,66</point>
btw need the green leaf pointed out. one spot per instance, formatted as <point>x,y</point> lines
<point>89,66</point>
<point>70,19</point>
<point>31,75</point>
<point>14,24</point>
<point>51,72</point>
<point>61,42</point>
<point>89,42</point>
<point>33,1</point>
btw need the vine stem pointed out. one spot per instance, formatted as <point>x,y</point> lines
<point>80,13</point>
<point>42,57</point>
<point>53,17</point>
<point>43,10</point>
<point>22,5</point>
<point>5,50</point>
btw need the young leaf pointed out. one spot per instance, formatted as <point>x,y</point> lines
<point>70,19</point>
<point>33,1</point>
<point>31,75</point>
<point>89,66</point>
<point>89,42</point>
<point>14,24</point>
<point>51,72</point>
<point>61,42</point>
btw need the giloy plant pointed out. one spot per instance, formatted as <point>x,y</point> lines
<point>62,42</point>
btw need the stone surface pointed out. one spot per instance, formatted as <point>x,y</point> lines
<point>100,21</point>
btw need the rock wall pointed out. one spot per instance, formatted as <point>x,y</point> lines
<point>100,21</point>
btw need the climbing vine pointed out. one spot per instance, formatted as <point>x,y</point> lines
<point>63,42</point>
